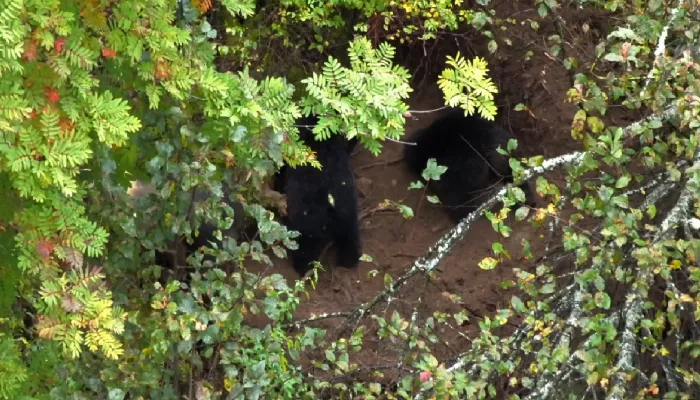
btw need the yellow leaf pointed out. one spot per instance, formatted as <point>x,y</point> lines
<point>685,298</point>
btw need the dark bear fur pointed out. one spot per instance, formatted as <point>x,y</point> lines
<point>206,230</point>
<point>177,252</point>
<point>466,145</point>
<point>309,210</point>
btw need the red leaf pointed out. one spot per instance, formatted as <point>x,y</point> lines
<point>58,44</point>
<point>425,376</point>
<point>66,125</point>
<point>74,257</point>
<point>624,50</point>
<point>162,70</point>
<point>52,94</point>
<point>108,53</point>
<point>44,248</point>
<point>70,304</point>
<point>30,51</point>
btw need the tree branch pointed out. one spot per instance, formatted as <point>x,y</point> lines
<point>634,302</point>
<point>661,46</point>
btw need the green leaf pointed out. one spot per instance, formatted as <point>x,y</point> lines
<point>388,280</point>
<point>433,171</point>
<point>512,145</point>
<point>488,263</point>
<point>612,57</point>
<point>497,248</point>
<point>433,199</point>
<point>651,211</point>
<point>116,394</point>
<point>343,361</point>
<point>548,288</point>
<point>602,300</point>
<point>406,211</point>
<point>518,304</point>
<point>595,124</point>
<point>238,134</point>
<point>461,317</point>
<point>622,182</point>
<point>522,213</point>
<point>258,370</point>
<point>492,46</point>
<point>519,194</point>
<point>330,356</point>
<point>416,185</point>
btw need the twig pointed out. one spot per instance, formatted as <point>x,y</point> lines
<point>401,142</point>
<point>299,323</point>
<point>427,111</point>
<point>380,163</point>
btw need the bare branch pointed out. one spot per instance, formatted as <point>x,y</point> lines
<point>314,318</point>
<point>427,111</point>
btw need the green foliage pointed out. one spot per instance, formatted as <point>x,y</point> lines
<point>470,76</point>
<point>11,46</point>
<point>365,100</point>
<point>9,273</point>
<point>96,94</point>
<point>423,20</point>
<point>251,358</point>
<point>14,373</point>
<point>298,31</point>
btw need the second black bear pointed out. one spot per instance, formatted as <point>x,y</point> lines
<point>466,145</point>
<point>242,228</point>
<point>206,230</point>
<point>322,204</point>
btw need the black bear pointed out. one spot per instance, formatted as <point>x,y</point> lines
<point>205,236</point>
<point>177,251</point>
<point>466,145</point>
<point>322,204</point>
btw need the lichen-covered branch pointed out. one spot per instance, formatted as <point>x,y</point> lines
<point>314,318</point>
<point>661,44</point>
<point>634,302</point>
